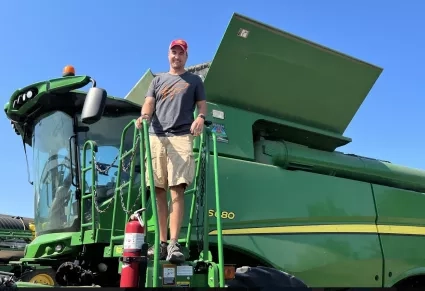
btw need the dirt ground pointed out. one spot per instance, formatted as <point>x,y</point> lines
<point>6,255</point>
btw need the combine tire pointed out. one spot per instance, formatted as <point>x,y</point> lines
<point>264,279</point>
<point>41,276</point>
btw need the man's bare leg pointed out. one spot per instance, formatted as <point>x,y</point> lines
<point>176,211</point>
<point>162,206</point>
<point>176,217</point>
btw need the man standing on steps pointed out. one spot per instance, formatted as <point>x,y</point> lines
<point>169,107</point>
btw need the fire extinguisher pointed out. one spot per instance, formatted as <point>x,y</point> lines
<point>134,241</point>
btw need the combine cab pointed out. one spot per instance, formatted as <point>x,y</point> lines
<point>270,189</point>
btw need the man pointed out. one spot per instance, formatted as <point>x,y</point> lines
<point>169,107</point>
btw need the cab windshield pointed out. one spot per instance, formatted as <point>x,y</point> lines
<point>55,202</point>
<point>107,135</point>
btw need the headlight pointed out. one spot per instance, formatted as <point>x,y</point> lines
<point>29,94</point>
<point>24,97</point>
<point>58,247</point>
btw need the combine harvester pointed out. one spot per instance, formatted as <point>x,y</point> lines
<point>271,190</point>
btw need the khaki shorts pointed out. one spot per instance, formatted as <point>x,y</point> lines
<point>172,160</point>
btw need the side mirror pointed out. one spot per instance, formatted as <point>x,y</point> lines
<point>94,104</point>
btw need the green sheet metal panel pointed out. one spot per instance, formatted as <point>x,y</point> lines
<point>138,92</point>
<point>275,73</point>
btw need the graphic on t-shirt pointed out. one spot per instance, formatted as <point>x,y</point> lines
<point>171,91</point>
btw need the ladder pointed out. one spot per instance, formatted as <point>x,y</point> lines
<point>141,143</point>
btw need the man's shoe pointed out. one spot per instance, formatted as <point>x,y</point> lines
<point>175,254</point>
<point>162,251</point>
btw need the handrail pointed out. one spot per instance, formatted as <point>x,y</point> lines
<point>153,201</point>
<point>141,135</point>
<point>84,195</point>
<point>118,186</point>
<point>193,191</point>
<point>204,148</point>
<point>218,210</point>
<point>144,148</point>
<point>145,154</point>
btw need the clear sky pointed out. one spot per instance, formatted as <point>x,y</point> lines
<point>117,41</point>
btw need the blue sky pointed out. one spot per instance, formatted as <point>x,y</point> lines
<point>118,40</point>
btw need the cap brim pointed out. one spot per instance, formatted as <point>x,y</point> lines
<point>182,47</point>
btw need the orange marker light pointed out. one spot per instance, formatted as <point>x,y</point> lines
<point>68,71</point>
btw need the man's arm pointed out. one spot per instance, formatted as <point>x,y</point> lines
<point>201,103</point>
<point>202,107</point>
<point>200,97</point>
<point>148,107</point>
<point>149,104</point>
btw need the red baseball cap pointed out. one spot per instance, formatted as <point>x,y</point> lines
<point>181,43</point>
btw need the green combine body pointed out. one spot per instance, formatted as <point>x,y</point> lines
<point>272,190</point>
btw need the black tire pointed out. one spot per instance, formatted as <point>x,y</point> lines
<point>264,279</point>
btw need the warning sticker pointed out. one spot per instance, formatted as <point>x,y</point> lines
<point>183,284</point>
<point>133,241</point>
<point>184,271</point>
<point>243,33</point>
<point>220,132</point>
<point>218,114</point>
<point>169,275</point>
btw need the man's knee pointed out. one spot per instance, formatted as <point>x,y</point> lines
<point>179,189</point>
<point>160,190</point>
<point>161,194</point>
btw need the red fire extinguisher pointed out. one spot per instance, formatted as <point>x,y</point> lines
<point>134,239</point>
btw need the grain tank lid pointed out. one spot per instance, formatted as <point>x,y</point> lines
<point>262,69</point>
<point>138,92</point>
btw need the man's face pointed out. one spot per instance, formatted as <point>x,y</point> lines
<point>177,57</point>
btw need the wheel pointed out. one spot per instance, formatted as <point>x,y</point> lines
<point>40,276</point>
<point>264,279</point>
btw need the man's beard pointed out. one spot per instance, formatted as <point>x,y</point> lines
<point>177,65</point>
